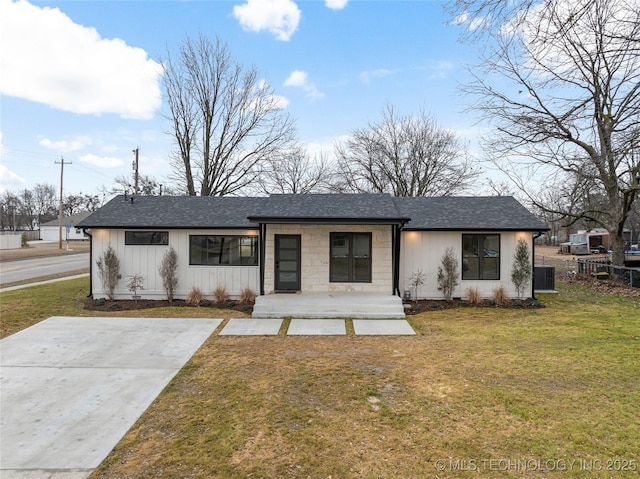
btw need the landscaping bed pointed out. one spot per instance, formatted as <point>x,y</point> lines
<point>107,305</point>
<point>426,305</point>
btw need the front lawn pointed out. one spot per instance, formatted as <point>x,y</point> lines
<point>549,392</point>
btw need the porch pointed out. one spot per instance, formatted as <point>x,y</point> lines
<point>327,305</point>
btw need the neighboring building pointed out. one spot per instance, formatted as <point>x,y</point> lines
<point>50,231</point>
<point>317,242</point>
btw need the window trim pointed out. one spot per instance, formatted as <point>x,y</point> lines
<point>128,234</point>
<point>351,279</point>
<point>254,247</point>
<point>480,240</point>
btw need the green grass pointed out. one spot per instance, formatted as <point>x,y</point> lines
<point>478,389</point>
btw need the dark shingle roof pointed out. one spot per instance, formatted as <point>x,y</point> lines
<point>377,208</point>
<point>468,213</point>
<point>175,212</point>
<point>424,213</point>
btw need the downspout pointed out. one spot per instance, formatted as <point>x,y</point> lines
<point>263,239</point>
<point>396,258</point>
<point>533,264</point>
<point>86,231</point>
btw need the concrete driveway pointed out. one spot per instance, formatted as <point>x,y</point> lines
<point>70,388</point>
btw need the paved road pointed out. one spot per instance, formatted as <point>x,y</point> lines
<point>27,269</point>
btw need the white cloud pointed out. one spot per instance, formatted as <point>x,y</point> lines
<point>440,69</point>
<point>102,161</point>
<point>471,23</point>
<point>336,4</point>
<point>47,58</point>
<point>66,146</point>
<point>280,101</point>
<point>367,76</point>
<point>9,181</point>
<point>280,17</point>
<point>300,79</point>
<point>297,78</point>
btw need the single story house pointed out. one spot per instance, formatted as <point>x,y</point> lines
<point>369,243</point>
<point>50,231</point>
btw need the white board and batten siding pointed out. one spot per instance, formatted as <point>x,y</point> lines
<point>144,260</point>
<point>423,250</point>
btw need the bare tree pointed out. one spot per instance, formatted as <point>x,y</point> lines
<point>405,156</point>
<point>74,204</point>
<point>46,202</point>
<point>10,210</point>
<point>295,171</point>
<point>561,87</point>
<point>147,185</point>
<point>28,209</point>
<point>226,121</point>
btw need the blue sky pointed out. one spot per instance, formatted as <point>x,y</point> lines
<point>80,78</point>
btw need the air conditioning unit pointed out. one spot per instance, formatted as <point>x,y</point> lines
<point>544,278</point>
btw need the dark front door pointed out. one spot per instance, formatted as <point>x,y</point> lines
<point>287,262</point>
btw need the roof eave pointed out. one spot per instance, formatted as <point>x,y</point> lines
<point>328,220</point>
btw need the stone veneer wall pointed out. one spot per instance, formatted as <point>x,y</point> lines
<point>315,257</point>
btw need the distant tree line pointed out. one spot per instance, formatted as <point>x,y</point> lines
<point>27,209</point>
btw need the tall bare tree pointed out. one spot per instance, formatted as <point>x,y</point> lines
<point>225,120</point>
<point>46,202</point>
<point>405,156</point>
<point>296,171</point>
<point>561,88</point>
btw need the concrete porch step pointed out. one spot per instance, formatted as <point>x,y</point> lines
<point>329,305</point>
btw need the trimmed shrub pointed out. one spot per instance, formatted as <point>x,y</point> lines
<point>109,268</point>
<point>521,269</point>
<point>168,272</point>
<point>448,274</point>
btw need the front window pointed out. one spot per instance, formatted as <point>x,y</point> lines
<point>218,250</point>
<point>481,256</point>
<point>350,257</point>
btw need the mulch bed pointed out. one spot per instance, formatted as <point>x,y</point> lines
<point>130,305</point>
<point>422,306</point>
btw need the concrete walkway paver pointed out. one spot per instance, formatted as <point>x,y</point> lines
<point>72,387</point>
<point>371,327</point>
<point>251,327</point>
<point>316,327</point>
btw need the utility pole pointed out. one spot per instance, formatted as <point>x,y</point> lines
<point>61,163</point>
<point>135,168</point>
